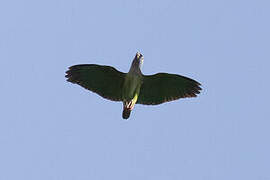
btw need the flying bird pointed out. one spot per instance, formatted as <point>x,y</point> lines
<point>133,87</point>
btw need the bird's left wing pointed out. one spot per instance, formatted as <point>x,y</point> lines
<point>164,87</point>
<point>103,80</point>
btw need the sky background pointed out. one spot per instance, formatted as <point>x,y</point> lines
<point>54,130</point>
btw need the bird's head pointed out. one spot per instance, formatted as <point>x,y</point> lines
<point>138,60</point>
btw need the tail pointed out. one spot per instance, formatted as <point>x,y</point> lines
<point>126,113</point>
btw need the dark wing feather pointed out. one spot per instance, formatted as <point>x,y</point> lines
<point>163,87</point>
<point>103,80</point>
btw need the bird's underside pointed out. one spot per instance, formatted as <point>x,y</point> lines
<point>133,87</point>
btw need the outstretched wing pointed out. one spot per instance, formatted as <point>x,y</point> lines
<point>163,87</point>
<point>103,80</point>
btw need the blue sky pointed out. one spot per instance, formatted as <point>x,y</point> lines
<point>52,129</point>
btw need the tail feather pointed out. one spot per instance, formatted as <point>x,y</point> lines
<point>126,113</point>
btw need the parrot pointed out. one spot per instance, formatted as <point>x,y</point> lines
<point>132,87</point>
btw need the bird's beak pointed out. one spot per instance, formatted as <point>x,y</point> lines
<point>139,56</point>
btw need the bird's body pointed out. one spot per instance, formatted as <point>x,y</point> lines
<point>132,87</point>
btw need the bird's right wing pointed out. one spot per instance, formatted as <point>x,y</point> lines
<point>164,87</point>
<point>103,80</point>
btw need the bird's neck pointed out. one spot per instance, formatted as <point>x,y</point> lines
<point>135,68</point>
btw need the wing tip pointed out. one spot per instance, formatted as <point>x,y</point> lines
<point>73,73</point>
<point>70,76</point>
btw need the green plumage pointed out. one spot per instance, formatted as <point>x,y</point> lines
<point>132,87</point>
<point>163,87</point>
<point>106,81</point>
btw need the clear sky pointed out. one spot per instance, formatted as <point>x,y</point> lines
<point>54,130</point>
